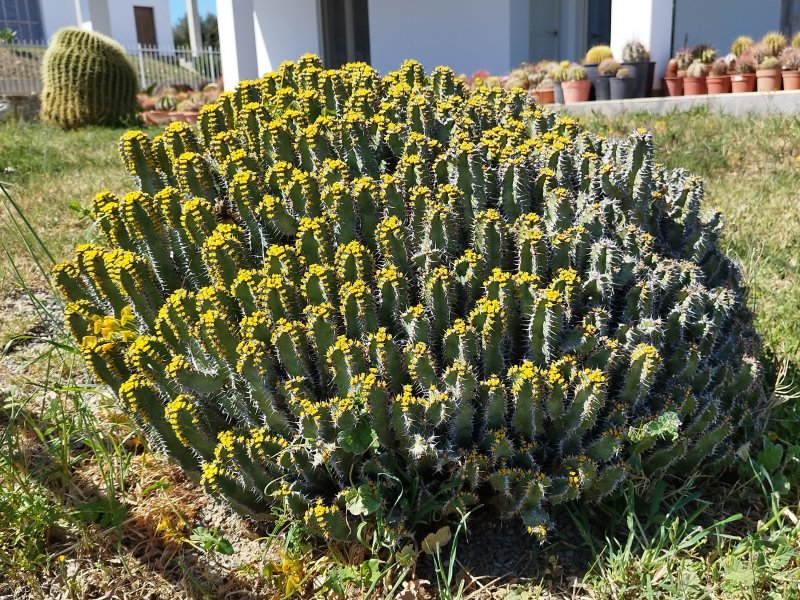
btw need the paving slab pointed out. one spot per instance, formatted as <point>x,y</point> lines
<point>759,103</point>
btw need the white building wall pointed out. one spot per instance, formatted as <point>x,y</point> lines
<point>285,31</point>
<point>463,34</point>
<point>57,14</point>
<point>718,22</point>
<point>123,24</point>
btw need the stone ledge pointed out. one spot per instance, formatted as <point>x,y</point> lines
<point>758,103</point>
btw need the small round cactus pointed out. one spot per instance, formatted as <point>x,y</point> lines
<point>790,58</point>
<point>635,52</point>
<point>774,42</point>
<point>696,69</point>
<point>608,67</point>
<point>796,40</point>
<point>704,53</point>
<point>719,67</point>
<point>770,62</point>
<point>740,44</point>
<point>576,73</point>
<point>683,59</point>
<point>380,301</point>
<point>597,54</point>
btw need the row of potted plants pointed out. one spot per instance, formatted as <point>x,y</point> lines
<point>768,65</point>
<point>598,77</point>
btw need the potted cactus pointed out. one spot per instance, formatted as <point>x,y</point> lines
<point>768,75</point>
<point>743,73</point>
<point>796,40</point>
<point>672,83</point>
<point>576,85</point>
<point>606,70</point>
<point>741,44</point>
<point>637,59</point>
<point>591,61</point>
<point>623,85</point>
<point>543,92</point>
<point>718,81</point>
<point>683,58</point>
<point>559,74</point>
<point>774,42</point>
<point>790,61</point>
<point>705,54</point>
<point>694,84</point>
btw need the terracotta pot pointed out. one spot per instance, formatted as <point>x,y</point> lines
<point>576,91</point>
<point>694,86</point>
<point>791,80</point>
<point>544,96</point>
<point>768,80</point>
<point>672,68</point>
<point>674,86</point>
<point>743,82</point>
<point>718,84</point>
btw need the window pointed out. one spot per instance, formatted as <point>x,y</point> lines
<point>145,25</point>
<point>345,31</point>
<point>24,17</point>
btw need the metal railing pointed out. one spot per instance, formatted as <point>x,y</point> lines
<point>21,63</point>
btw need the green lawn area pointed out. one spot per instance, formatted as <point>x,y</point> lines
<point>84,507</point>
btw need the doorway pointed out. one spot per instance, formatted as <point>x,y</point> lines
<point>545,15</point>
<point>598,23</point>
<point>345,31</point>
<point>145,25</point>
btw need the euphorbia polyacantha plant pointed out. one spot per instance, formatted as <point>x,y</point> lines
<point>387,300</point>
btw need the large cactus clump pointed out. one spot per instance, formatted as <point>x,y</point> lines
<point>88,80</point>
<point>389,299</point>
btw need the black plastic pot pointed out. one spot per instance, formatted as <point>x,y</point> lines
<point>622,88</point>
<point>559,93</point>
<point>639,75</point>
<point>591,75</point>
<point>602,90</point>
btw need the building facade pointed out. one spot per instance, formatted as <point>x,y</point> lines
<point>468,35</point>
<point>130,22</point>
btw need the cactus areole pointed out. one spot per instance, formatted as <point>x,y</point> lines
<point>391,299</point>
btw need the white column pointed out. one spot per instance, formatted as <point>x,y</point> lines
<point>648,21</point>
<point>193,21</point>
<point>237,41</point>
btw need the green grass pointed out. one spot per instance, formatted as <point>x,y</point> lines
<point>87,508</point>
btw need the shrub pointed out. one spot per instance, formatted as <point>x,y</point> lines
<point>87,80</point>
<point>386,300</point>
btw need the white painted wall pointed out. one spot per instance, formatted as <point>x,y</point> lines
<point>57,14</point>
<point>284,30</point>
<point>648,21</point>
<point>123,25</point>
<point>237,42</point>
<point>111,17</point>
<point>718,22</point>
<point>463,34</point>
